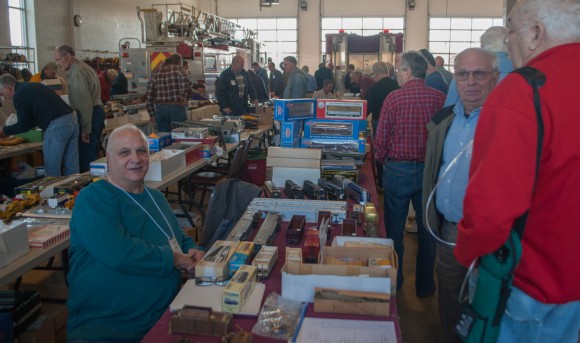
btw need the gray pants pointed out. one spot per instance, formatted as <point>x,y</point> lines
<point>450,275</point>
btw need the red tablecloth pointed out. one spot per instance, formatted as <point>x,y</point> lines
<point>160,332</point>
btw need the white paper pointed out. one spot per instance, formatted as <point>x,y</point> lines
<point>322,330</point>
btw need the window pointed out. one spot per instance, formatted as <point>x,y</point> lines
<point>17,17</point>
<point>279,35</point>
<point>360,26</point>
<point>449,36</point>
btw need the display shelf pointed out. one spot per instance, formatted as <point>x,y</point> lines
<point>18,57</point>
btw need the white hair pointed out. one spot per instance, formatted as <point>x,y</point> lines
<point>493,38</point>
<point>560,17</point>
<point>118,131</point>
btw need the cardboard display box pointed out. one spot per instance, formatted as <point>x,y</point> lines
<point>335,145</point>
<point>99,167</point>
<point>300,280</point>
<point>241,256</point>
<point>163,163</point>
<point>351,302</point>
<point>296,153</point>
<point>266,117</point>
<point>292,162</point>
<point>192,151</point>
<point>365,253</point>
<point>215,262</point>
<point>290,133</point>
<point>159,141</point>
<point>13,242</point>
<point>237,291</point>
<point>335,129</point>
<point>294,109</point>
<point>341,109</point>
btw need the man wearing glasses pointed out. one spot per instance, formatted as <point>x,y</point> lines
<point>451,134</point>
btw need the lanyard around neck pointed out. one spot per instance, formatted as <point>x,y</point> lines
<point>144,210</point>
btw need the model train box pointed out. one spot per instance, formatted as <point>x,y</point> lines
<point>241,256</point>
<point>294,109</point>
<point>239,289</point>
<point>215,262</point>
<point>14,241</point>
<point>341,109</point>
<point>163,163</point>
<point>158,141</point>
<point>335,129</point>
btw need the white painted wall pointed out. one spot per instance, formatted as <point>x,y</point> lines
<point>105,22</point>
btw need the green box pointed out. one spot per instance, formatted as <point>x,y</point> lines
<point>32,135</point>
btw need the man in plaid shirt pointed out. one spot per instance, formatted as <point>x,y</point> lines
<point>400,145</point>
<point>167,93</point>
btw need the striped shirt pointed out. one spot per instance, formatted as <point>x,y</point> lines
<point>170,85</point>
<point>401,133</point>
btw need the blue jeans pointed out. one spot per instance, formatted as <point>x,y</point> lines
<point>403,182</point>
<point>88,152</point>
<point>165,114</point>
<point>60,146</point>
<point>528,320</point>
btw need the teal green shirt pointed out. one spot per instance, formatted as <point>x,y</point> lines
<point>122,277</point>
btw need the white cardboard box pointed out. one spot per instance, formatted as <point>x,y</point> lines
<point>292,162</point>
<point>13,241</point>
<point>163,163</point>
<point>300,280</point>
<point>99,167</point>
<point>295,153</point>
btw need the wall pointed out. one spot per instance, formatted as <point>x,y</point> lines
<point>105,22</point>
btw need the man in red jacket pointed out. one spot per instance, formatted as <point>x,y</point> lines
<point>544,305</point>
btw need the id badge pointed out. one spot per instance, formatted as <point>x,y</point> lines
<point>175,246</point>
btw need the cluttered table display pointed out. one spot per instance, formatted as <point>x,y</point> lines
<point>381,328</point>
<point>7,151</point>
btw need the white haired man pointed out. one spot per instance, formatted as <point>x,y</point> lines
<point>544,304</point>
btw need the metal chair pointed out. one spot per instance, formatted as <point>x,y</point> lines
<point>207,180</point>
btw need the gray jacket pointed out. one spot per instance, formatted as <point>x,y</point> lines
<point>437,127</point>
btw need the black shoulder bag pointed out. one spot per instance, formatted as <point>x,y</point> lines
<point>480,321</point>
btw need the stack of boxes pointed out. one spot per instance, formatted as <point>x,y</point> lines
<point>290,115</point>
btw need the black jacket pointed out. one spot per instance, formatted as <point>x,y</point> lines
<point>227,92</point>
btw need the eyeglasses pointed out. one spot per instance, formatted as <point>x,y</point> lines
<point>478,75</point>
<point>209,281</point>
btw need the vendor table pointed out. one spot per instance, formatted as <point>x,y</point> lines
<point>15,150</point>
<point>160,332</point>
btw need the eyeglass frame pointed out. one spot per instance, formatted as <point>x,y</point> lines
<point>209,281</point>
<point>478,75</point>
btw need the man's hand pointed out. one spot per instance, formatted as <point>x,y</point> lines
<point>184,262</point>
<point>255,102</point>
<point>85,137</point>
<point>227,110</point>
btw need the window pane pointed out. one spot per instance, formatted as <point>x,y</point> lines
<point>457,35</point>
<point>457,47</point>
<point>438,47</point>
<point>286,23</point>
<point>498,22</point>
<point>371,32</point>
<point>288,47</point>
<point>440,23</point>
<point>394,23</point>
<point>16,3</point>
<point>331,23</point>
<point>461,23</point>
<point>287,35</point>
<point>351,23</point>
<point>482,23</point>
<point>16,27</point>
<point>266,24</point>
<point>439,35</point>
<point>476,35</point>
<point>249,23</point>
<point>268,36</point>
<point>372,23</point>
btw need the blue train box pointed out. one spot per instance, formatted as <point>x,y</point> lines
<point>335,145</point>
<point>158,141</point>
<point>290,133</point>
<point>294,109</point>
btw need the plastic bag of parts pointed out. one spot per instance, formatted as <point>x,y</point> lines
<point>279,317</point>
